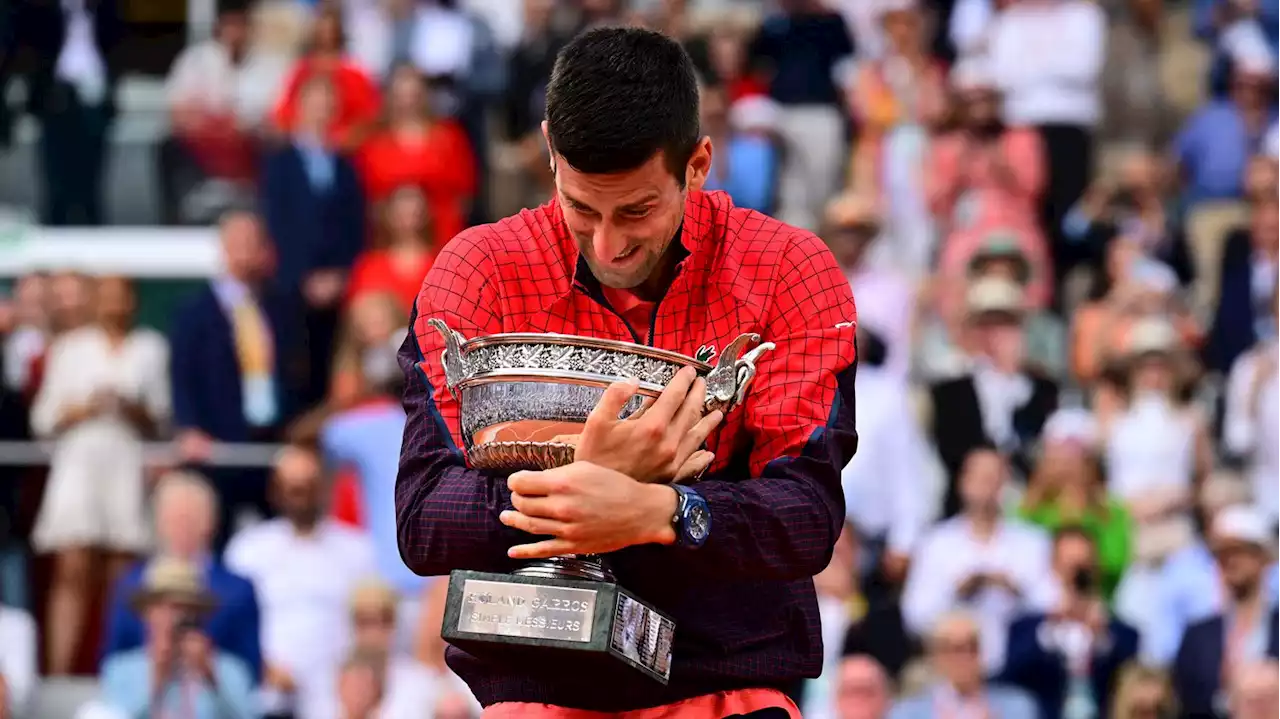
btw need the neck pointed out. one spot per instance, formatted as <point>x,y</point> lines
<point>305,527</point>
<point>115,330</point>
<point>967,689</point>
<point>983,524</point>
<point>1248,602</point>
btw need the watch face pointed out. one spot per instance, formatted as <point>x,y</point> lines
<point>696,523</point>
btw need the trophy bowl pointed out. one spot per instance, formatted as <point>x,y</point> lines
<point>524,396</point>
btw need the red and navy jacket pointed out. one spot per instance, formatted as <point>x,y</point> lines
<point>744,604</point>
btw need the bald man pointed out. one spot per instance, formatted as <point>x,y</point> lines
<point>862,689</point>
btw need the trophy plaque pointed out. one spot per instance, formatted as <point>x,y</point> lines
<point>523,396</point>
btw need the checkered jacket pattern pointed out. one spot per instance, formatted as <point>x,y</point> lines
<point>744,603</point>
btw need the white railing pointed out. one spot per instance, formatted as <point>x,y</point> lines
<point>155,454</point>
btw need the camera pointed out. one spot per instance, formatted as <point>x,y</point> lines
<point>1083,581</point>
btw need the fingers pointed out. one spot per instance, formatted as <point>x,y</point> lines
<point>694,466</point>
<point>614,398</point>
<point>695,437</point>
<point>645,404</point>
<point>557,508</point>
<point>691,408</point>
<point>532,484</point>
<point>671,399</point>
<point>539,526</point>
<point>545,549</point>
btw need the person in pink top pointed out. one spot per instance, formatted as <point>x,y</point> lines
<point>987,177</point>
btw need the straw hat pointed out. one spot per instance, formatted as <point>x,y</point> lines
<point>1152,336</point>
<point>1001,245</point>
<point>373,596</point>
<point>172,580</point>
<point>995,295</point>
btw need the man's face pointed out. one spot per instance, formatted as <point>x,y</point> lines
<point>115,300</point>
<point>1072,555</point>
<point>298,484</point>
<point>247,255</point>
<point>184,524</point>
<point>374,628</point>
<point>955,653</point>
<point>233,30</point>
<point>623,223</point>
<point>316,106</point>
<point>981,481</point>
<point>1241,565</point>
<point>863,693</point>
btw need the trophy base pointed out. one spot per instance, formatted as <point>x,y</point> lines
<point>506,615</point>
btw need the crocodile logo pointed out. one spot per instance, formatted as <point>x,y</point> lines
<point>705,353</point>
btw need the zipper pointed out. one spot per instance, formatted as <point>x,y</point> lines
<point>653,318</point>
<point>604,302</point>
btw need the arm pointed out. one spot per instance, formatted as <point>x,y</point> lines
<point>52,411</point>
<point>124,686</point>
<point>233,689</point>
<point>1239,431</point>
<point>782,522</point>
<point>447,513</point>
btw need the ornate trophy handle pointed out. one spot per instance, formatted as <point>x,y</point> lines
<point>451,357</point>
<point>727,383</point>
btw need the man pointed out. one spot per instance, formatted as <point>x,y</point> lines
<point>177,672</point>
<point>185,510</point>
<point>304,567</point>
<point>955,651</point>
<point>1244,631</point>
<point>631,249</point>
<point>233,365</point>
<point>1069,658</point>
<point>862,689</point>
<point>979,561</point>
<point>313,207</point>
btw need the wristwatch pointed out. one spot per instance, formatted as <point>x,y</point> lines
<point>692,520</point>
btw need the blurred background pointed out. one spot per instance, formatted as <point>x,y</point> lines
<point>1059,219</point>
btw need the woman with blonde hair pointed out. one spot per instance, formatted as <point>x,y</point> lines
<point>366,356</point>
<point>1143,693</point>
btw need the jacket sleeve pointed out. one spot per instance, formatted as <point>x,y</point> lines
<point>782,523</point>
<point>447,513</point>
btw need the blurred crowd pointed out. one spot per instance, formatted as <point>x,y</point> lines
<point>1064,503</point>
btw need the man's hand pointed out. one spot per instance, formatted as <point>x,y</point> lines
<point>971,585</point>
<point>197,655</point>
<point>278,678</point>
<point>661,442</point>
<point>587,509</point>
<point>323,288</point>
<point>194,446</point>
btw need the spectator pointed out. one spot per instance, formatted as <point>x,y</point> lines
<point>69,306</point>
<point>727,55</point>
<point>955,649</point>
<point>212,95</point>
<point>1249,263</point>
<point>875,626</point>
<point>71,91</point>
<point>361,373</point>
<point>1143,693</point>
<point>18,648</point>
<point>998,401</point>
<point>315,214</point>
<point>185,508</point>
<point>26,340</point>
<point>178,668</point>
<point>854,232</point>
<point>799,49</point>
<point>105,392</point>
<point>863,689</point>
<point>885,493</point>
<point>897,100</point>
<point>1068,657</point>
<point>1066,489</point>
<point>1226,25</point>
<point>745,134</point>
<point>361,687</point>
<point>1131,207</point>
<point>1047,58</point>
<point>980,561</point>
<point>234,369</point>
<point>404,253</point>
<point>1135,107</point>
<point>414,148</point>
<point>355,100</point>
<point>380,34</point>
<point>1214,649</point>
<point>304,566</point>
<point>1254,690</point>
<point>839,601</point>
<point>1252,417</point>
<point>987,176</point>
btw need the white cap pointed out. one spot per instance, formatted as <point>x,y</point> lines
<point>1242,523</point>
<point>1073,425</point>
<point>972,73</point>
<point>1154,276</point>
<point>888,6</point>
<point>1153,335</point>
<point>995,294</point>
<point>755,112</point>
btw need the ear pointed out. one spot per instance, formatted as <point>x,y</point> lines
<point>695,173</point>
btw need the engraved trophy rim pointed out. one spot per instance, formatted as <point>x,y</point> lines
<point>555,338</point>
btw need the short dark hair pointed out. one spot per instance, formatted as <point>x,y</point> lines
<point>1072,531</point>
<point>618,95</point>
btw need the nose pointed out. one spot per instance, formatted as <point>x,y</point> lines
<point>607,242</point>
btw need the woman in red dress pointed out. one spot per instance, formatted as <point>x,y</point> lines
<point>414,148</point>
<point>403,255</point>
<point>358,100</point>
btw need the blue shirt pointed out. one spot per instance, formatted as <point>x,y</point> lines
<point>802,50</point>
<point>1214,148</point>
<point>753,171</point>
<point>368,438</point>
<point>127,687</point>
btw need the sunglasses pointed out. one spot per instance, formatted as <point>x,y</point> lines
<point>380,619</point>
<point>960,646</point>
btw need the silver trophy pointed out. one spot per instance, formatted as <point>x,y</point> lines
<point>523,397</point>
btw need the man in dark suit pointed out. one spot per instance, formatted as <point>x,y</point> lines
<point>234,365</point>
<point>1214,649</point>
<point>998,402</point>
<point>1248,280</point>
<point>314,209</point>
<point>75,47</point>
<point>185,516</point>
<point>1072,653</point>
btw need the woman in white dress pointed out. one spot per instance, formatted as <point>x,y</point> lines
<point>105,389</point>
<point>1157,454</point>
